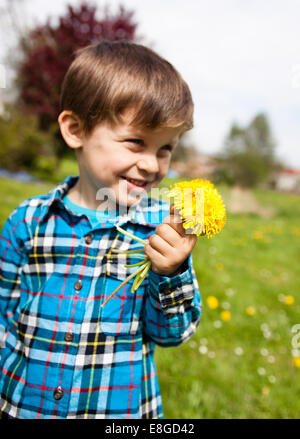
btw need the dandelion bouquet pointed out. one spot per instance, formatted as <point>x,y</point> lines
<point>202,212</point>
<point>200,206</point>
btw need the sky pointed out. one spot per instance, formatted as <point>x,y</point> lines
<point>239,58</point>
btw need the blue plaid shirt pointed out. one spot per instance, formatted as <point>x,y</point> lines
<point>62,354</point>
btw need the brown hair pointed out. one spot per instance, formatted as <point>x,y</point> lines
<point>107,78</point>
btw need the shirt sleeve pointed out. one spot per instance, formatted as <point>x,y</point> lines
<point>11,257</point>
<point>172,307</point>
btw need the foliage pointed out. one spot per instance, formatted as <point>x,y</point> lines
<point>250,152</point>
<point>49,50</point>
<point>23,145</point>
<point>222,175</point>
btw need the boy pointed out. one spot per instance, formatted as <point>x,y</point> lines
<point>123,109</point>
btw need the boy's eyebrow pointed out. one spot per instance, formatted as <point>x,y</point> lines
<point>131,131</point>
<point>173,142</point>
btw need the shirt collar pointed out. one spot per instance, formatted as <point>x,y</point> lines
<point>148,212</point>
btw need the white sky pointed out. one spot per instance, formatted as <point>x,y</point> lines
<point>239,57</point>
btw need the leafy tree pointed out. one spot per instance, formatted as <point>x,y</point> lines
<point>23,145</point>
<point>250,152</point>
<point>49,50</point>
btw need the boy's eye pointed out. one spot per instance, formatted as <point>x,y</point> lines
<point>167,148</point>
<point>135,141</point>
<point>140,142</point>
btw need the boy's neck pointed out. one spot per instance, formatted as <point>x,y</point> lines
<point>88,199</point>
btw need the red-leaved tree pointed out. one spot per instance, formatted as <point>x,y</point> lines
<point>49,51</point>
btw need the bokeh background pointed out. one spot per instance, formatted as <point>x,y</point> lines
<point>242,63</point>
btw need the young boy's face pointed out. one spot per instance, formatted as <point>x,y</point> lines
<point>125,160</point>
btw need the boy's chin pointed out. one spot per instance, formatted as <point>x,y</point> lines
<point>128,202</point>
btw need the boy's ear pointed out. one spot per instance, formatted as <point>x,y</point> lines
<point>71,128</point>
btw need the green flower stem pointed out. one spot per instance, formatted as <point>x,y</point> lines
<point>140,273</point>
<point>140,277</point>
<point>130,235</point>
<point>135,265</point>
<point>135,256</point>
<point>127,251</point>
<point>123,283</point>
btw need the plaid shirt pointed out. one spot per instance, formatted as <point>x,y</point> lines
<point>62,355</point>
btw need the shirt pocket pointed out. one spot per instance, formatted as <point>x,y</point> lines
<point>121,315</point>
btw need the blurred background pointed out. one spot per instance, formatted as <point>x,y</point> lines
<point>242,63</point>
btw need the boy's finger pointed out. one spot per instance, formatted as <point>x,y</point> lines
<point>172,209</point>
<point>174,220</point>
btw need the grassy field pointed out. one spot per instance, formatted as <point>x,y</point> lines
<point>240,363</point>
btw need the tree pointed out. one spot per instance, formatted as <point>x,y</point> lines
<point>49,50</point>
<point>23,145</point>
<point>250,152</point>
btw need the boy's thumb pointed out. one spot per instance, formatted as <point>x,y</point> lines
<point>174,219</point>
<point>172,209</point>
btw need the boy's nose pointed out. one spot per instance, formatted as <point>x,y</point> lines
<point>148,164</point>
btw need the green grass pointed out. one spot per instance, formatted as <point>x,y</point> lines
<point>252,262</point>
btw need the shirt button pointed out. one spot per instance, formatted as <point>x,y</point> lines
<point>69,336</point>
<point>58,393</point>
<point>78,285</point>
<point>88,239</point>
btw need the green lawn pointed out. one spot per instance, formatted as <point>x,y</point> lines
<point>241,368</point>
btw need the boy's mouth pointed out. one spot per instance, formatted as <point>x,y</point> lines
<point>133,183</point>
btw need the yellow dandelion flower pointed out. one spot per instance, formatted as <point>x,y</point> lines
<point>220,266</point>
<point>212,302</point>
<point>225,315</point>
<point>257,235</point>
<point>295,231</point>
<point>289,300</point>
<point>200,206</point>
<point>266,390</point>
<point>296,361</point>
<point>250,310</point>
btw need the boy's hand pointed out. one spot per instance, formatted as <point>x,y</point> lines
<point>169,247</point>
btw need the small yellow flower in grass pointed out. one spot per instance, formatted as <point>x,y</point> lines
<point>225,315</point>
<point>289,300</point>
<point>220,266</point>
<point>296,361</point>
<point>212,302</point>
<point>295,231</point>
<point>200,205</point>
<point>257,234</point>
<point>266,390</point>
<point>250,310</point>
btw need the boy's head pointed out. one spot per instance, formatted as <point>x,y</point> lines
<point>116,92</point>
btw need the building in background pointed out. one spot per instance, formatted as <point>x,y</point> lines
<point>287,180</point>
